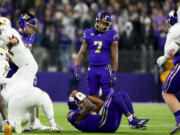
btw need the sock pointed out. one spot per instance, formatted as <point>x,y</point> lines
<point>177,116</point>
<point>130,118</point>
<point>127,101</point>
<point>48,108</point>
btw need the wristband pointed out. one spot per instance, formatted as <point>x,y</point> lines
<point>80,96</point>
<point>113,72</point>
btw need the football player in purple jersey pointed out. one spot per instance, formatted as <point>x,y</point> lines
<point>103,47</point>
<point>83,114</point>
<point>172,50</point>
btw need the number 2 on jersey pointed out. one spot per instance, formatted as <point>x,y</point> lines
<point>99,45</point>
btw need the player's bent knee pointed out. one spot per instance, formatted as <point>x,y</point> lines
<point>123,93</point>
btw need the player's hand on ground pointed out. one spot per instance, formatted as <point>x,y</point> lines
<point>77,72</point>
<point>161,60</point>
<point>113,78</point>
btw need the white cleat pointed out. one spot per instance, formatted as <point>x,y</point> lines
<point>38,125</point>
<point>18,127</point>
<point>56,128</point>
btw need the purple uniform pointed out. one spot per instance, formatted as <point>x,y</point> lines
<point>172,83</point>
<point>108,121</point>
<point>99,59</point>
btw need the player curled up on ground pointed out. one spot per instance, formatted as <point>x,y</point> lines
<point>30,97</point>
<point>83,112</point>
<point>102,44</point>
<point>171,50</point>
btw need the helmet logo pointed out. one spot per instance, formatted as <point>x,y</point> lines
<point>171,13</point>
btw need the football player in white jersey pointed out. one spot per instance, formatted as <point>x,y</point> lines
<point>21,105</point>
<point>19,55</point>
<point>172,83</point>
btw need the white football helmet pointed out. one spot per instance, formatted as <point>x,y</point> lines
<point>3,53</point>
<point>5,22</point>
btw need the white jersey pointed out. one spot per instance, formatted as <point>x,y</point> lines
<point>172,40</point>
<point>19,54</point>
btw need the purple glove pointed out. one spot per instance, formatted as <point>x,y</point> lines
<point>113,78</point>
<point>77,72</point>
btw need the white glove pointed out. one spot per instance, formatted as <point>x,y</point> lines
<point>161,60</point>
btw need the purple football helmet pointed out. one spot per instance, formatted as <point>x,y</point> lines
<point>72,103</point>
<point>28,23</point>
<point>172,18</point>
<point>105,18</point>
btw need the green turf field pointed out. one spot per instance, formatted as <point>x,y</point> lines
<point>161,121</point>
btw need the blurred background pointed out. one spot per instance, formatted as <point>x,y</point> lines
<point>142,28</point>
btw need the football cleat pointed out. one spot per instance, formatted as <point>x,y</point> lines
<point>28,129</point>
<point>38,125</point>
<point>55,128</point>
<point>138,123</point>
<point>176,129</point>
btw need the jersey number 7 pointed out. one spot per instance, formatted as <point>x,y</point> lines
<point>99,45</point>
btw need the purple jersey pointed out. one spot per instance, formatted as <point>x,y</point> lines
<point>99,45</point>
<point>28,40</point>
<point>108,121</point>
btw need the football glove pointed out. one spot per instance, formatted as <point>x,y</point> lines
<point>113,78</point>
<point>161,60</point>
<point>77,72</point>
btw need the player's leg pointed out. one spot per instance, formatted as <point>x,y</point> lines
<point>31,119</point>
<point>3,113</point>
<point>3,107</point>
<point>111,117</point>
<point>169,88</point>
<point>37,123</point>
<point>43,99</point>
<point>16,112</point>
<point>124,105</point>
<point>104,73</point>
<point>93,82</point>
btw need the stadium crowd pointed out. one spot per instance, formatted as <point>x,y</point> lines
<point>140,23</point>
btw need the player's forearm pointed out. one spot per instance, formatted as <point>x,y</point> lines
<point>87,107</point>
<point>115,65</point>
<point>114,55</point>
<point>80,58</point>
